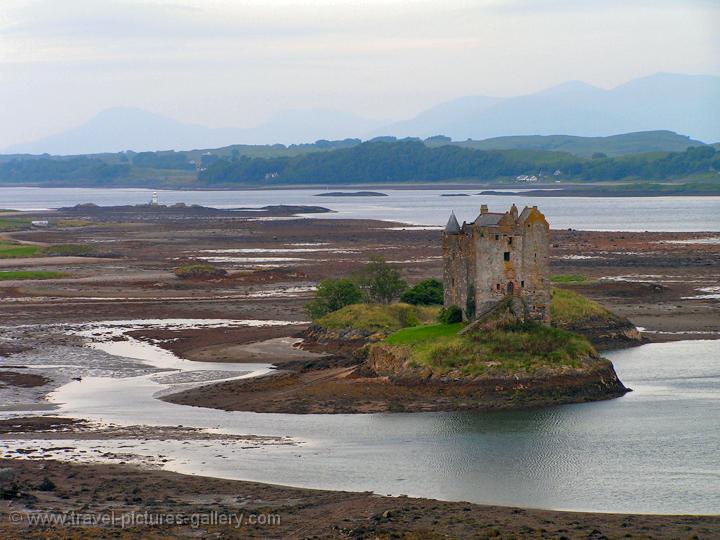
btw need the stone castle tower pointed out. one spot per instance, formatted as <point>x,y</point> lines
<point>497,255</point>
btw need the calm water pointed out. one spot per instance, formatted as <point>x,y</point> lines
<point>653,450</point>
<point>414,206</point>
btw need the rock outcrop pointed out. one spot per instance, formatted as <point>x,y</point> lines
<point>594,379</point>
<point>607,333</point>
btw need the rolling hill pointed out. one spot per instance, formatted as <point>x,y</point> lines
<point>613,145</point>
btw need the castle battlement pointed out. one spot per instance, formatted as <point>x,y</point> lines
<point>496,255</point>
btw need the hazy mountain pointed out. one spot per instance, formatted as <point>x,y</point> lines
<point>125,128</point>
<point>446,118</point>
<point>687,104</point>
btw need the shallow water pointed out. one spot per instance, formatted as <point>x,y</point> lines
<point>424,207</point>
<point>653,450</point>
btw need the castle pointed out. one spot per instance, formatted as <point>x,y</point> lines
<point>495,256</point>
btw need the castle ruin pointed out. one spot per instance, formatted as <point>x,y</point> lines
<point>496,256</point>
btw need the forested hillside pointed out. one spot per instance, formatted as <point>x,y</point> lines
<point>384,160</point>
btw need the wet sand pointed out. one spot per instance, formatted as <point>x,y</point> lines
<point>94,490</point>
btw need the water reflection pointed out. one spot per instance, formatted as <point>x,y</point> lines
<point>653,450</point>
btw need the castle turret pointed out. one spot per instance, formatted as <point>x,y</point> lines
<point>452,227</point>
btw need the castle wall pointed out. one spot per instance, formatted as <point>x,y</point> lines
<point>535,259</point>
<point>458,257</point>
<point>485,263</point>
<point>493,272</point>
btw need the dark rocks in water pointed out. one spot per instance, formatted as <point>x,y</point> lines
<point>607,333</point>
<point>352,194</point>
<point>454,195</point>
<point>289,210</point>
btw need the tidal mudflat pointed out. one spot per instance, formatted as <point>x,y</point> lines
<point>131,332</point>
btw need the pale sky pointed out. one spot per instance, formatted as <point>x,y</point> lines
<point>235,63</point>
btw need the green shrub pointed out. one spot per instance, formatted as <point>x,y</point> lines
<point>380,282</point>
<point>428,292</point>
<point>331,295</point>
<point>199,271</point>
<point>450,315</point>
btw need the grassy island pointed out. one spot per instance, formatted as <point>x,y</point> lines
<point>509,348</point>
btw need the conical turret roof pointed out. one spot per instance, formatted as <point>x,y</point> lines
<point>452,227</point>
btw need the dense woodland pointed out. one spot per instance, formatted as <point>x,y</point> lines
<point>351,161</point>
<point>403,161</point>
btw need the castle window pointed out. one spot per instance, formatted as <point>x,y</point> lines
<point>497,237</point>
<point>522,284</point>
<point>506,255</point>
<point>510,241</point>
<point>497,286</point>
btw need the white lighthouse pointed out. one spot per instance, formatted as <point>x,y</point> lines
<point>155,201</point>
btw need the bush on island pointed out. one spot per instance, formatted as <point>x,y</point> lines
<point>380,282</point>
<point>199,270</point>
<point>331,295</point>
<point>428,292</point>
<point>450,315</point>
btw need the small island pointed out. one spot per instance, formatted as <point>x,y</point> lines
<point>352,194</point>
<point>495,335</point>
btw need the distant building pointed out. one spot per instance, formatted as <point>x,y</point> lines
<point>497,255</point>
<point>155,201</point>
<point>527,179</point>
<point>40,223</point>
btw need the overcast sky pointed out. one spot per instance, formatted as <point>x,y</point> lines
<point>234,63</point>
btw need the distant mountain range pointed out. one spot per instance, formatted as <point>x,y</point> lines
<point>128,128</point>
<point>688,104</point>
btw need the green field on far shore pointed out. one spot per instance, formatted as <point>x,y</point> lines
<point>11,275</point>
<point>11,251</point>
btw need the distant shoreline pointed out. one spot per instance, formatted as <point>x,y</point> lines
<point>480,188</point>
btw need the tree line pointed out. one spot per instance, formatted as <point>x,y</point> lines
<point>372,161</point>
<point>412,160</point>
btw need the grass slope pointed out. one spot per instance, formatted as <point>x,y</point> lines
<point>519,347</point>
<point>509,347</point>
<point>568,307</point>
<point>377,317</point>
